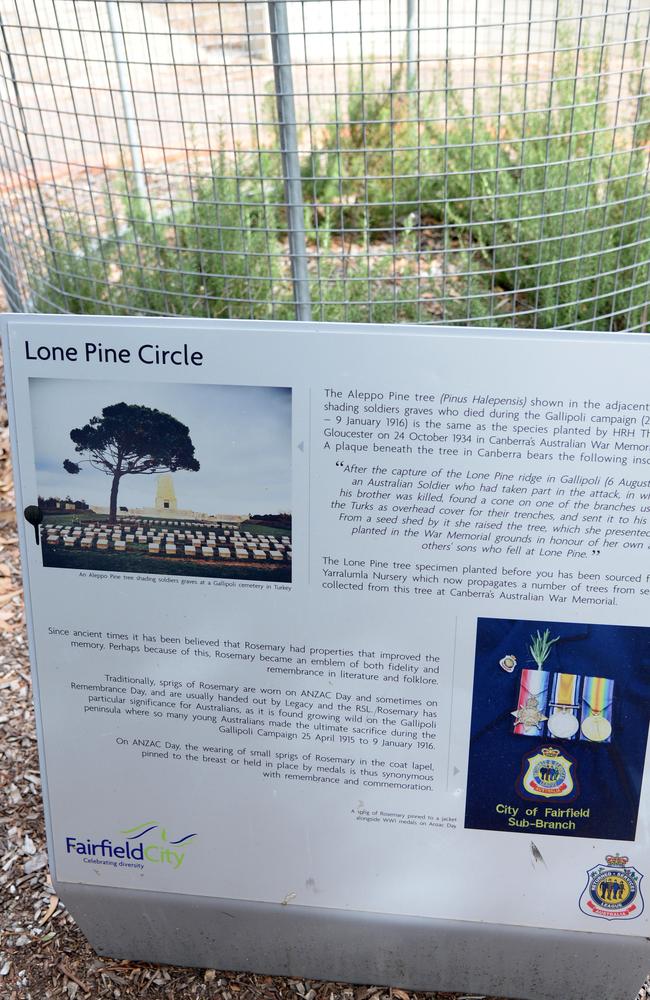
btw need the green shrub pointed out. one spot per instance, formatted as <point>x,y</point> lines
<point>216,255</point>
<point>416,209</point>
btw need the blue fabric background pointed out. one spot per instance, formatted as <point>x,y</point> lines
<point>608,775</point>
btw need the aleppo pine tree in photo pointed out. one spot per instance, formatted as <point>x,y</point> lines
<point>132,440</point>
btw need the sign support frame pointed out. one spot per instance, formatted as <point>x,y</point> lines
<point>423,953</point>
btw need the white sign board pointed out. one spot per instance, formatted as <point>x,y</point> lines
<point>349,618</point>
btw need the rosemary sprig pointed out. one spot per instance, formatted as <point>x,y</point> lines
<point>540,648</point>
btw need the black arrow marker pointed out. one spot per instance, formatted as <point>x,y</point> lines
<point>34,516</point>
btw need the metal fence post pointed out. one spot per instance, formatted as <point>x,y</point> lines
<point>290,159</point>
<point>130,118</point>
<point>411,39</point>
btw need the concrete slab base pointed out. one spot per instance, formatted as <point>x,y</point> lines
<point>312,943</point>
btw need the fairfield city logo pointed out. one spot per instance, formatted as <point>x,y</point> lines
<point>145,843</point>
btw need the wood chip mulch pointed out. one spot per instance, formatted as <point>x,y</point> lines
<point>43,954</point>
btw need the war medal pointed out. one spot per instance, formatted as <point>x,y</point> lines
<point>563,722</point>
<point>533,688</point>
<point>596,728</point>
<point>528,715</point>
<point>597,698</point>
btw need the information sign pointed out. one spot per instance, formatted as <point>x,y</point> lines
<point>342,632</point>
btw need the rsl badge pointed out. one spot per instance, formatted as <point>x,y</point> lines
<point>548,774</point>
<point>613,890</point>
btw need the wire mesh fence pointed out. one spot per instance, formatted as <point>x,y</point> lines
<point>481,161</point>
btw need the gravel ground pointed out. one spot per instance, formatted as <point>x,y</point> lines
<point>43,954</point>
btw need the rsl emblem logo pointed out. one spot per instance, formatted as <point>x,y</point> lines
<point>548,774</point>
<point>613,890</point>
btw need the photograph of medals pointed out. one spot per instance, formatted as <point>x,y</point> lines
<point>597,700</point>
<point>563,706</point>
<point>531,704</point>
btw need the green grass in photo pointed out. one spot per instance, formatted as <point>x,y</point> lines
<point>141,562</point>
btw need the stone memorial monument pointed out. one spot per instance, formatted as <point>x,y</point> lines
<point>165,493</point>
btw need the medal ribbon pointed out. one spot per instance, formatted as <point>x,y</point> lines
<point>533,682</point>
<point>565,689</point>
<point>598,693</point>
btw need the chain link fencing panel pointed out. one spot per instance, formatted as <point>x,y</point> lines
<point>481,161</point>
